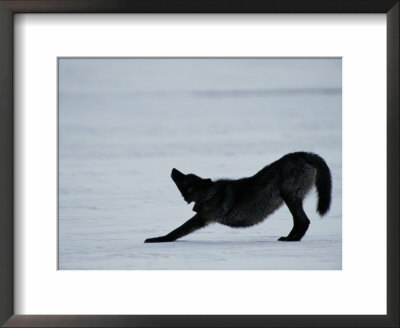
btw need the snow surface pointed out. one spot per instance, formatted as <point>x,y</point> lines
<point>125,123</point>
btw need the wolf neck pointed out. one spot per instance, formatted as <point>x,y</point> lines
<point>207,194</point>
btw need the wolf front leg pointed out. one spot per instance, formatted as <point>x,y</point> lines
<point>195,223</point>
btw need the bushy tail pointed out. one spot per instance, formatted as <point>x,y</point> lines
<point>323,182</point>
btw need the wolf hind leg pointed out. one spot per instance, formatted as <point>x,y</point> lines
<point>195,223</point>
<point>300,219</point>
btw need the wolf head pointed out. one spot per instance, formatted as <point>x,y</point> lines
<point>192,187</point>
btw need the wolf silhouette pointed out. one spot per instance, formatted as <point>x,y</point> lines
<point>248,201</point>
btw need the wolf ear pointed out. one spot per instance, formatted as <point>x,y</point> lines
<point>199,190</point>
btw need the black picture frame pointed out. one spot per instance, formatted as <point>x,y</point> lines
<point>10,7</point>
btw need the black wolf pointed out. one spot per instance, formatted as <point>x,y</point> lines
<point>248,201</point>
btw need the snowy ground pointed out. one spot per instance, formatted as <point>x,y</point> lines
<point>124,124</point>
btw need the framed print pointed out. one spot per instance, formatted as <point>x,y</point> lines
<point>104,102</point>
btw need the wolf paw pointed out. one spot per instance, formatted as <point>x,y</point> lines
<point>156,240</point>
<point>289,239</point>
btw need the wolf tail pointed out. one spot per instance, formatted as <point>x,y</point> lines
<point>323,182</point>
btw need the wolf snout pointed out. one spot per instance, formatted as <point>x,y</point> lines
<point>176,174</point>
